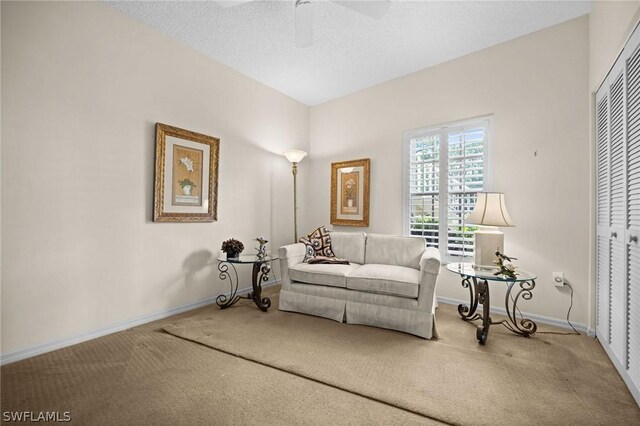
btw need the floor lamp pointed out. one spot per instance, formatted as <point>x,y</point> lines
<point>294,156</point>
<point>489,212</point>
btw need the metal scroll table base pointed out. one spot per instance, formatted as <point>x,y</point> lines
<point>479,294</point>
<point>260,273</point>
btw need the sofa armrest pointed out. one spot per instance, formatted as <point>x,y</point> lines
<point>290,255</point>
<point>293,253</point>
<point>430,261</point>
<point>429,269</point>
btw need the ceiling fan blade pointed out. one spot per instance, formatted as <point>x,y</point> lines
<point>230,3</point>
<point>304,23</point>
<point>373,8</point>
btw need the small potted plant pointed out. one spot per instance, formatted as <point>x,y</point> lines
<point>232,247</point>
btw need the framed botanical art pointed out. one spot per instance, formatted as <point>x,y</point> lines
<point>186,184</point>
<point>350,193</point>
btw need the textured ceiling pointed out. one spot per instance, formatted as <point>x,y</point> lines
<point>350,51</point>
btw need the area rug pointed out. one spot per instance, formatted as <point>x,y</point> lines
<point>546,379</point>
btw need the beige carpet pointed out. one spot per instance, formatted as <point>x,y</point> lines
<point>144,376</point>
<point>548,379</point>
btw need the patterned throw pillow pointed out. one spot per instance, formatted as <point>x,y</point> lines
<point>309,252</point>
<point>318,243</point>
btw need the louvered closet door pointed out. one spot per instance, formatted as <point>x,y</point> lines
<point>602,197</point>
<point>618,218</point>
<point>633,217</point>
<point>618,214</point>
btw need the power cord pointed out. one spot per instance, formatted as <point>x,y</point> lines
<point>575,332</point>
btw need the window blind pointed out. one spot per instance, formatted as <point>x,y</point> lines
<point>424,187</point>
<point>446,170</point>
<point>465,180</point>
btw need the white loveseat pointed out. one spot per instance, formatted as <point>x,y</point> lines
<point>389,283</point>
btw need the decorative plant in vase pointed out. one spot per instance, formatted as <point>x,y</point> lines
<point>232,247</point>
<point>350,192</point>
<point>187,184</point>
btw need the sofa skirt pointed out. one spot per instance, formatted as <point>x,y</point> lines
<point>355,307</point>
<point>313,305</point>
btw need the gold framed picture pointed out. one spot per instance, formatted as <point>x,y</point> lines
<point>350,193</point>
<point>186,184</point>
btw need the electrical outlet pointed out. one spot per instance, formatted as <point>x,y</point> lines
<point>558,279</point>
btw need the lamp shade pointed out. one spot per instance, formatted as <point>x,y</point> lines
<point>490,210</point>
<point>294,155</point>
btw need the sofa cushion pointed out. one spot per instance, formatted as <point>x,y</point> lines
<point>349,245</point>
<point>385,279</point>
<point>322,274</point>
<point>394,250</point>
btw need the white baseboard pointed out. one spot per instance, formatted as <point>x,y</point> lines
<point>562,323</point>
<point>7,358</point>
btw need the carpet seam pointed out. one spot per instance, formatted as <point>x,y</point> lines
<point>315,380</point>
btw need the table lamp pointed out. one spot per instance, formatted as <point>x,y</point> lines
<point>490,212</point>
<point>294,156</point>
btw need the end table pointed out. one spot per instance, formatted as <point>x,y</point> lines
<point>261,269</point>
<point>477,281</point>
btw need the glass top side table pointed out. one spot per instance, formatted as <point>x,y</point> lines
<point>260,273</point>
<point>477,281</point>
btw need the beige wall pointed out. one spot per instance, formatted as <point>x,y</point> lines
<point>537,89</point>
<point>83,86</point>
<point>610,24</point>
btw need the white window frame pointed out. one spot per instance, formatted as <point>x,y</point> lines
<point>443,200</point>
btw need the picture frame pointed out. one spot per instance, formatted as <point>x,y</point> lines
<point>186,176</point>
<point>350,192</point>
